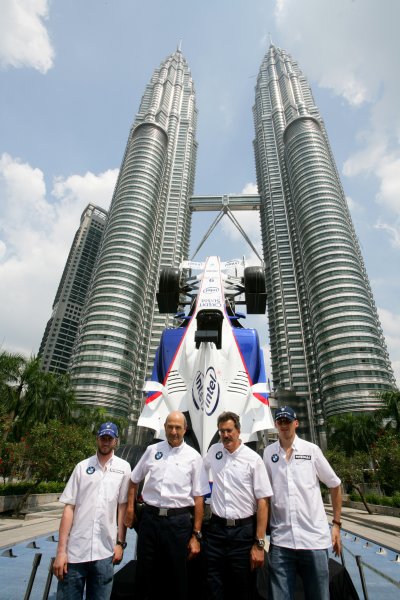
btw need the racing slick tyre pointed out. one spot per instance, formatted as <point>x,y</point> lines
<point>255,290</point>
<point>168,290</point>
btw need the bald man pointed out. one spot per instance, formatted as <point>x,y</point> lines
<point>173,495</point>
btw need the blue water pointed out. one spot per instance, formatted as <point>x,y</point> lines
<point>15,572</point>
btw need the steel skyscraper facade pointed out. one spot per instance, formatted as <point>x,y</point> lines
<point>61,329</point>
<point>148,227</point>
<point>327,344</point>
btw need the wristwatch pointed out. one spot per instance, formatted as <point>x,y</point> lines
<point>338,523</point>
<point>259,543</point>
<point>198,535</point>
<point>122,544</point>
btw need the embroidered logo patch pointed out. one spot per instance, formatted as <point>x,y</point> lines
<point>219,455</point>
<point>90,470</point>
<point>274,458</point>
<point>158,455</point>
<point>303,456</point>
<point>116,471</point>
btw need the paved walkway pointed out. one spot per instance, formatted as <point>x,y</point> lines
<point>381,529</point>
<point>41,522</point>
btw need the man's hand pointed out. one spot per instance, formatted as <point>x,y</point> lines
<point>60,565</point>
<point>129,518</point>
<point>256,557</point>
<point>118,554</point>
<point>193,547</point>
<point>336,543</point>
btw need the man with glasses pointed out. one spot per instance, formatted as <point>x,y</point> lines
<point>92,532</point>
<point>239,505</point>
<point>300,535</point>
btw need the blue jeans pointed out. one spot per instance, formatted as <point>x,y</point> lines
<point>285,563</point>
<point>98,576</point>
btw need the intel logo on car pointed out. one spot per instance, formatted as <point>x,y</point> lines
<point>211,391</point>
<point>211,290</point>
<point>197,390</point>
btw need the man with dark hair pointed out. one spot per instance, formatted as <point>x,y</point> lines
<point>92,532</point>
<point>167,538</point>
<point>239,506</point>
<point>300,535</point>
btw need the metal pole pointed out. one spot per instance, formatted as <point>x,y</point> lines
<point>36,563</point>
<point>361,570</point>
<point>342,558</point>
<point>48,580</point>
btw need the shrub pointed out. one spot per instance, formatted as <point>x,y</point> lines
<point>21,487</point>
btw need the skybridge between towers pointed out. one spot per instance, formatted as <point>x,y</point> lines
<point>225,205</point>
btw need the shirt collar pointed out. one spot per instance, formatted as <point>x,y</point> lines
<point>235,452</point>
<point>107,464</point>
<point>176,448</point>
<point>294,445</point>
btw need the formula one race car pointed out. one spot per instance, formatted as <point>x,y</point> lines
<point>210,363</point>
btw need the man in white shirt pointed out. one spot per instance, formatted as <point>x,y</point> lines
<point>239,505</point>
<point>300,535</point>
<point>172,491</point>
<point>95,501</point>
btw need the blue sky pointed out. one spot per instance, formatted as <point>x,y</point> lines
<point>72,73</point>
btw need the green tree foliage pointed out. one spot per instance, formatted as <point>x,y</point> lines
<point>351,470</point>
<point>29,395</point>
<point>54,448</point>
<point>386,453</point>
<point>390,411</point>
<point>43,431</point>
<point>353,432</point>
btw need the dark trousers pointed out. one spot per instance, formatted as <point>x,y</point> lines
<point>162,556</point>
<point>228,561</point>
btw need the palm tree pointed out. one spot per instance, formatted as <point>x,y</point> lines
<point>31,395</point>
<point>390,410</point>
<point>353,432</point>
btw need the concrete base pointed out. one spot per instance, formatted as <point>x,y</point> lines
<point>33,501</point>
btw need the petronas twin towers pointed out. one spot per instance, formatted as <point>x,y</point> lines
<point>327,345</point>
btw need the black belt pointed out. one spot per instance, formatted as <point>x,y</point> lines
<point>232,522</point>
<point>166,512</point>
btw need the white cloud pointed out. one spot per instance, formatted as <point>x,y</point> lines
<point>391,325</point>
<point>24,40</point>
<point>341,44</point>
<point>36,232</point>
<point>250,188</point>
<point>354,207</point>
<point>393,231</point>
<point>249,220</point>
<point>353,48</point>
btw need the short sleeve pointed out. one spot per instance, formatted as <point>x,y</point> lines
<point>201,485</point>
<point>141,469</point>
<point>324,470</point>
<point>70,493</point>
<point>123,491</point>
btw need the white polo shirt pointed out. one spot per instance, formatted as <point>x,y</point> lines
<point>298,518</point>
<point>239,480</point>
<point>173,475</point>
<point>95,491</point>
